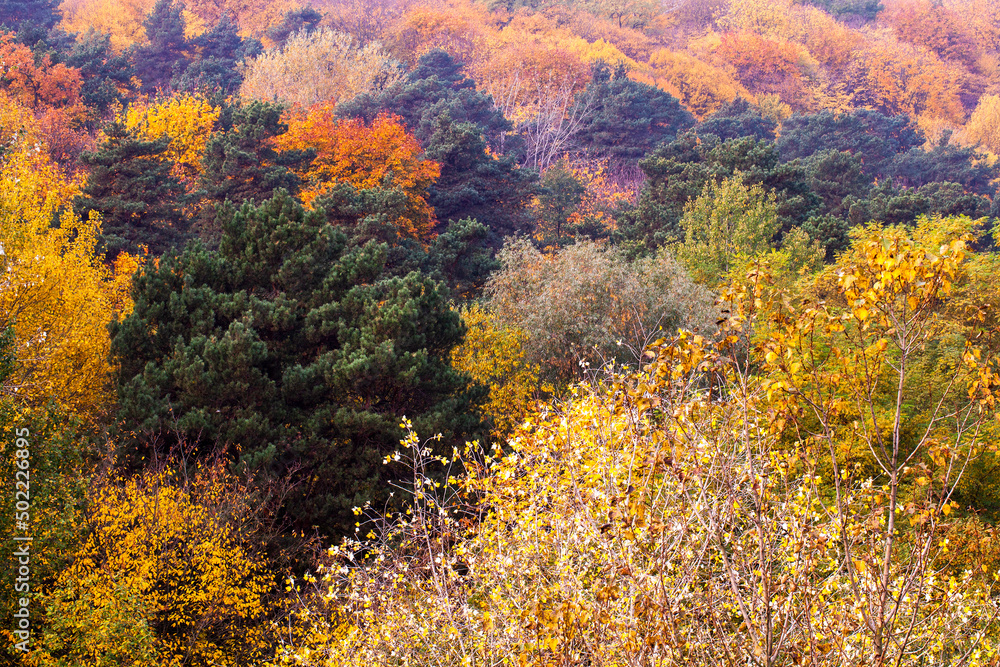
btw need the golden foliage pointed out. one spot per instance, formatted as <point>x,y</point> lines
<point>700,87</point>
<point>762,17</point>
<point>896,78</point>
<point>187,120</point>
<point>935,27</point>
<point>122,21</point>
<point>460,27</point>
<point>771,66</point>
<point>54,288</point>
<point>322,66</point>
<point>165,556</point>
<point>983,127</point>
<point>493,355</point>
<point>253,17</point>
<point>525,70</point>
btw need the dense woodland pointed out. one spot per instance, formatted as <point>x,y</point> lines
<point>501,332</point>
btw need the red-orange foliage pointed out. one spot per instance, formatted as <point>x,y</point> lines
<point>37,86</point>
<point>383,154</point>
<point>941,30</point>
<point>767,66</point>
<point>51,91</point>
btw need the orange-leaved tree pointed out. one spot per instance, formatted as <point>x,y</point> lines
<point>50,90</point>
<point>701,87</point>
<point>462,29</point>
<point>774,66</point>
<point>37,84</point>
<point>380,155</point>
<point>121,21</point>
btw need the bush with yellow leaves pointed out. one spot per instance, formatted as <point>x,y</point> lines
<point>167,572</point>
<point>700,510</point>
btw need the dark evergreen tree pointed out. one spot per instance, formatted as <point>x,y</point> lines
<point>627,119</point>
<point>836,176</point>
<point>303,19</point>
<point>894,205</point>
<point>131,187</point>
<point>560,196</point>
<point>296,351</point>
<point>459,257</point>
<point>434,87</point>
<point>164,57</point>
<point>873,137</point>
<point>738,119</point>
<point>945,162</point>
<point>456,125</point>
<point>677,172</point>
<point>439,65</point>
<point>216,55</point>
<point>39,14</point>
<point>852,12</point>
<point>105,74</point>
<point>239,162</point>
<point>475,185</point>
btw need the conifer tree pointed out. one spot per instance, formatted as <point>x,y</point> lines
<point>107,76</point>
<point>239,162</point>
<point>297,349</point>
<point>217,54</point>
<point>15,14</point>
<point>132,189</point>
<point>164,57</point>
<point>303,19</point>
<point>628,118</point>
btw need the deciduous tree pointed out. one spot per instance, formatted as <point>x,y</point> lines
<point>585,305</point>
<point>382,154</point>
<point>56,292</point>
<point>321,66</point>
<point>186,121</point>
<point>169,571</point>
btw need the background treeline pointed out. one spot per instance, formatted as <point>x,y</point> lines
<point>246,248</point>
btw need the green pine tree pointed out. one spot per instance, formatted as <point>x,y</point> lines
<point>132,189</point>
<point>240,164</point>
<point>18,14</point>
<point>297,350</point>
<point>165,55</point>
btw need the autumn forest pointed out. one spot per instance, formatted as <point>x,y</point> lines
<point>499,332</point>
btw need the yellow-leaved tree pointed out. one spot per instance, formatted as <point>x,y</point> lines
<point>54,289</point>
<point>493,355</point>
<point>122,21</point>
<point>168,573</point>
<point>57,298</point>
<point>187,120</point>
<point>983,127</point>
